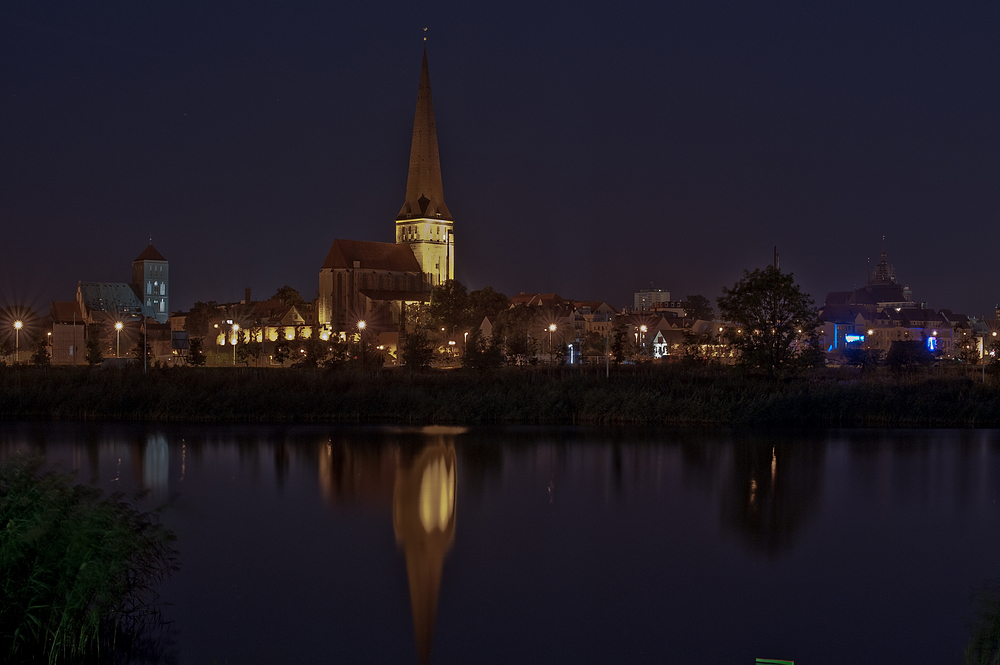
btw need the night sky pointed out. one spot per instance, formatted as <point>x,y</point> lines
<point>587,148</point>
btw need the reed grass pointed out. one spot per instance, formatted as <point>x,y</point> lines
<point>631,395</point>
<point>77,571</point>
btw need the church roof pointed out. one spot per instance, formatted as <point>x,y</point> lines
<point>424,192</point>
<point>149,254</point>
<point>371,256</point>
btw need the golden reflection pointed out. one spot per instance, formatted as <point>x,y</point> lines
<point>423,515</point>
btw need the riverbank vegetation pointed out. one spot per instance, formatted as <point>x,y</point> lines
<point>639,394</point>
<point>77,571</point>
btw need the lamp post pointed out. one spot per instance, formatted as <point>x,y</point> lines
<point>17,340</point>
<point>118,339</point>
<point>552,329</point>
<point>643,330</point>
<point>236,330</point>
<point>361,343</point>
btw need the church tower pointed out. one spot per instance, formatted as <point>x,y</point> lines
<point>424,222</point>
<point>150,277</point>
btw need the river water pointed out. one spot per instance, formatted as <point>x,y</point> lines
<point>320,544</point>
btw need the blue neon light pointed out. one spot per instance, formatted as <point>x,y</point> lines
<point>850,339</point>
<point>931,343</point>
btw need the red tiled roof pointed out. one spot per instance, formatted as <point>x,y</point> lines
<point>149,254</point>
<point>371,255</point>
<point>63,311</point>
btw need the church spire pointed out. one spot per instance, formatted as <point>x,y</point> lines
<point>424,192</point>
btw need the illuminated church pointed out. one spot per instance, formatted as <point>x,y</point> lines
<point>376,281</point>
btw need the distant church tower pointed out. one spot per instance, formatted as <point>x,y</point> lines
<point>150,276</point>
<point>424,223</point>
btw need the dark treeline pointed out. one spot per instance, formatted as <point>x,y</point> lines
<point>646,395</point>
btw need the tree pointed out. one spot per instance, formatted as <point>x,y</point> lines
<point>6,348</point>
<point>486,302</point>
<point>248,352</point>
<point>907,354</point>
<point>775,321</point>
<point>286,295</point>
<point>142,345</point>
<point>481,353</point>
<point>195,357</point>
<point>449,306</point>
<point>619,345</point>
<point>967,348</point>
<point>94,355</point>
<point>699,308</point>
<point>40,353</point>
<point>594,344</point>
<point>281,351</point>
<point>513,329</point>
<point>418,350</point>
<point>201,317</point>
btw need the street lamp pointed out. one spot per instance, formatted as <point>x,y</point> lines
<point>236,330</point>
<point>643,329</point>
<point>361,343</point>
<point>118,340</point>
<point>17,340</point>
<point>552,329</point>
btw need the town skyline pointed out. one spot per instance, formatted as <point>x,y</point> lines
<point>608,169</point>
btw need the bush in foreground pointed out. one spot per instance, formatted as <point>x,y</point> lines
<point>77,572</point>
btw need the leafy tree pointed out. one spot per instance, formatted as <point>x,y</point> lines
<point>699,308</point>
<point>201,317</point>
<point>864,358</point>
<point>481,353</point>
<point>94,355</point>
<point>594,344</point>
<point>907,354</point>
<point>775,320</point>
<point>967,348</point>
<point>40,353</point>
<point>288,296</point>
<point>695,345</point>
<point>512,330</point>
<point>418,350</point>
<point>196,357</point>
<point>6,348</point>
<point>993,353</point>
<point>248,352</point>
<point>486,302</point>
<point>449,306</point>
<point>281,351</point>
<point>619,344</point>
<point>142,345</point>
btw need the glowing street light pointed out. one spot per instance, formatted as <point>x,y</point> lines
<point>17,340</point>
<point>552,329</point>
<point>361,341</point>
<point>236,330</point>
<point>118,340</point>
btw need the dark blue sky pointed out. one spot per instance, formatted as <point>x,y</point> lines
<point>587,149</point>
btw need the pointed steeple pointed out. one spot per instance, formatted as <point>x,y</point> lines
<point>424,193</point>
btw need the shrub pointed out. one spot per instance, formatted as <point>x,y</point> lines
<point>77,571</point>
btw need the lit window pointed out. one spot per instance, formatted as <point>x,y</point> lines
<point>149,287</point>
<point>163,288</point>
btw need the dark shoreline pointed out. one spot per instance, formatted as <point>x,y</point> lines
<point>658,395</point>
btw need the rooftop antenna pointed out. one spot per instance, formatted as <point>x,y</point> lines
<point>869,272</point>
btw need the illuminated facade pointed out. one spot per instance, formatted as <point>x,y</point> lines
<point>376,280</point>
<point>424,223</point>
<point>150,278</point>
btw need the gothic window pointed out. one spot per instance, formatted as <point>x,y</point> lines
<point>163,305</point>
<point>149,287</point>
<point>163,288</point>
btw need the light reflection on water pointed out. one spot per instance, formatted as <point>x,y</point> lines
<point>310,544</point>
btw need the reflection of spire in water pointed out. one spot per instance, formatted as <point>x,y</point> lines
<point>156,464</point>
<point>424,521</point>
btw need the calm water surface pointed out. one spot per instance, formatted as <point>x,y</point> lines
<point>333,545</point>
